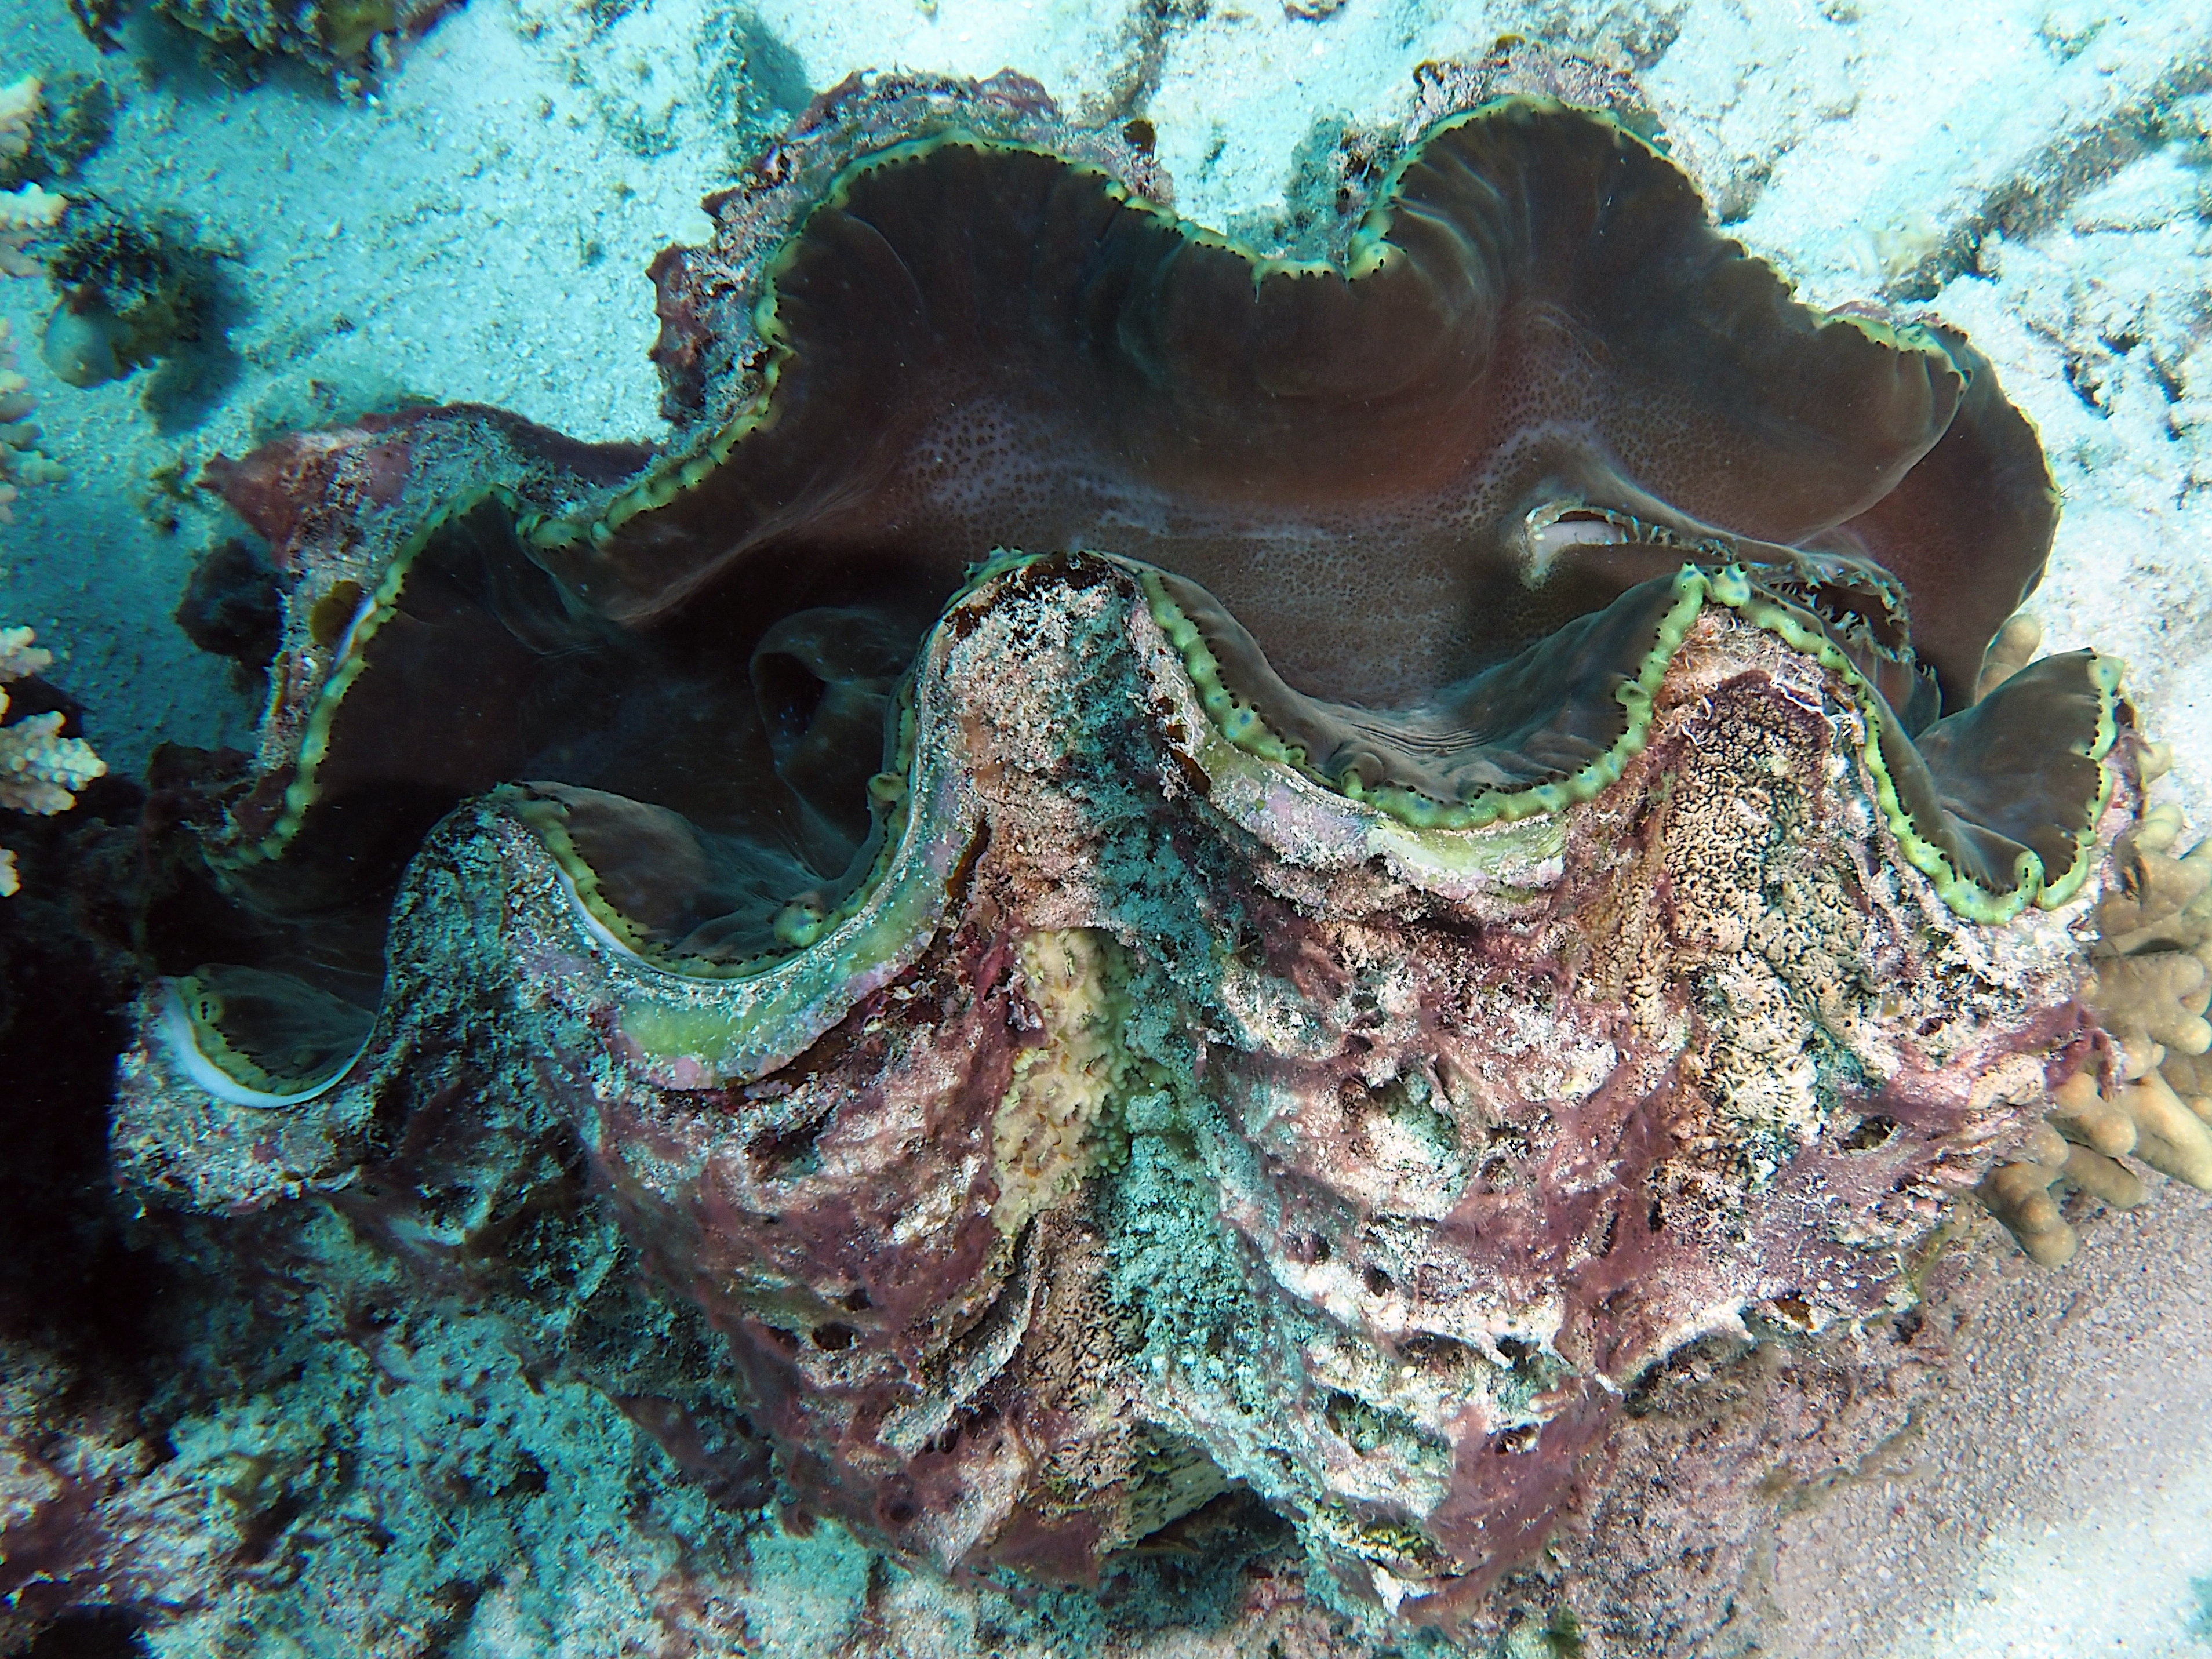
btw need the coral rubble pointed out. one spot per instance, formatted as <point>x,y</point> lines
<point>343,37</point>
<point>132,294</point>
<point>1492,840</point>
<point>40,770</point>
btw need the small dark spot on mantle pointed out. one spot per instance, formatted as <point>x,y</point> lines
<point>1868,1133</point>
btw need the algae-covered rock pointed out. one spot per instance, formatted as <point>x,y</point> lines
<point>341,36</point>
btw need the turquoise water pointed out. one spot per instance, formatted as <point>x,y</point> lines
<point>312,1429</point>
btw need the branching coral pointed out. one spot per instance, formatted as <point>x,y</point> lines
<point>47,129</point>
<point>2012,650</point>
<point>25,214</point>
<point>20,460</point>
<point>27,211</point>
<point>39,768</point>
<point>2018,1193</point>
<point>20,103</point>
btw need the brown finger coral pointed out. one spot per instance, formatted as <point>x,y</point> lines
<point>1460,856</point>
<point>2148,1095</point>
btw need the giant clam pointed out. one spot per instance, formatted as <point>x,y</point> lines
<point>1146,869</point>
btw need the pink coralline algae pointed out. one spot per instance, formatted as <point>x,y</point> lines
<point>1099,1027</point>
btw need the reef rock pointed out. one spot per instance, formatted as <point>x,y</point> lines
<point>1460,859</point>
<point>1162,1119</point>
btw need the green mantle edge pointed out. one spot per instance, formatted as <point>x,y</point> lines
<point>900,897</point>
<point>1730,588</point>
<point>1370,250</point>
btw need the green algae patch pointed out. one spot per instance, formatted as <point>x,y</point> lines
<point>674,1030</point>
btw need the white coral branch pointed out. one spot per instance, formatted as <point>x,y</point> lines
<point>40,770</point>
<point>25,214</point>
<point>20,103</point>
<point>21,462</point>
<point>19,658</point>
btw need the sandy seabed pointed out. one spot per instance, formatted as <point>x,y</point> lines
<point>475,227</point>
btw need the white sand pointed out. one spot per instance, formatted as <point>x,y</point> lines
<point>2059,1503</point>
<point>479,229</point>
